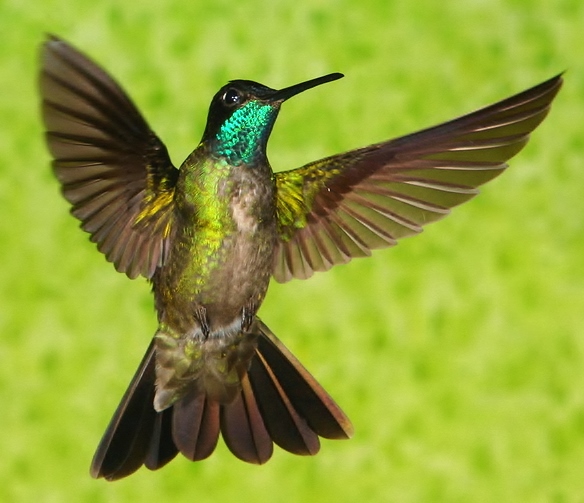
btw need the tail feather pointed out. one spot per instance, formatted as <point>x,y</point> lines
<point>195,426</point>
<point>313,403</point>
<point>243,428</point>
<point>279,402</point>
<point>286,427</point>
<point>126,442</point>
<point>162,447</point>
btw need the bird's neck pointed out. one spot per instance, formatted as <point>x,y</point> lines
<point>242,138</point>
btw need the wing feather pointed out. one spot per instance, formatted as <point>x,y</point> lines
<point>344,206</point>
<point>113,169</point>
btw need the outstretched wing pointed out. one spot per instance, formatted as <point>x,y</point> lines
<point>343,206</point>
<point>113,169</point>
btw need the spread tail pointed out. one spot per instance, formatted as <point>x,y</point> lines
<point>279,402</point>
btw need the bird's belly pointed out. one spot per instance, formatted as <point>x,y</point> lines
<point>239,282</point>
<point>220,279</point>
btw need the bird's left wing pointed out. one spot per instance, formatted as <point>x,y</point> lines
<point>343,206</point>
<point>113,169</point>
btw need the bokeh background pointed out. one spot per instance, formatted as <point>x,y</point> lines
<point>459,355</point>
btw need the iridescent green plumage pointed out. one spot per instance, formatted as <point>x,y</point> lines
<point>241,137</point>
<point>210,235</point>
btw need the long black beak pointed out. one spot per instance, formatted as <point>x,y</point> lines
<point>288,92</point>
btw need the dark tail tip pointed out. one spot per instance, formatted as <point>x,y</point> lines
<point>279,402</point>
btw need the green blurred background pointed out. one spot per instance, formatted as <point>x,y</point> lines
<point>459,355</point>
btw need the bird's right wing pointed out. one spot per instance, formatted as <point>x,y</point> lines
<point>113,169</point>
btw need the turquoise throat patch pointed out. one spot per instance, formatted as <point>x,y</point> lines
<point>243,135</point>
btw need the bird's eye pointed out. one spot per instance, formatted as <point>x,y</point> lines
<point>232,97</point>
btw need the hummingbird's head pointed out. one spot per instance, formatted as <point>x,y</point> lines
<point>242,114</point>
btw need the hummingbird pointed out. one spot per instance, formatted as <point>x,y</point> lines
<point>210,235</point>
